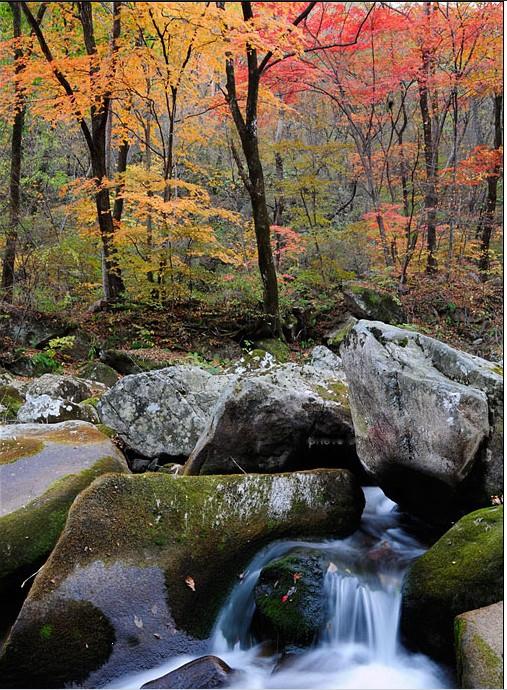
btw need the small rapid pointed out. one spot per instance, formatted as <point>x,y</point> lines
<point>359,644</point>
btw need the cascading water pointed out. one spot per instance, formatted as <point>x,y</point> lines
<point>358,646</point>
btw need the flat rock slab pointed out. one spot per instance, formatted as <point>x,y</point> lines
<point>34,456</point>
<point>145,562</point>
<point>42,469</point>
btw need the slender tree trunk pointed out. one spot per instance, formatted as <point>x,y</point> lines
<point>430,155</point>
<point>9,259</point>
<point>487,221</point>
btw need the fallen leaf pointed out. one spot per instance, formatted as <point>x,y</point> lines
<point>189,581</point>
<point>138,622</point>
<point>296,577</point>
<point>156,635</point>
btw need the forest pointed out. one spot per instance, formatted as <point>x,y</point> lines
<point>251,329</point>
<point>242,161</point>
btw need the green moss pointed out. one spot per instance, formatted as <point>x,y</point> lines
<point>74,641</point>
<point>106,430</point>
<point>12,450</point>
<point>28,534</point>
<point>175,522</point>
<point>498,370</point>
<point>46,631</point>
<point>481,661</point>
<point>337,391</point>
<point>93,401</point>
<point>295,617</point>
<point>461,572</point>
<point>11,399</point>
<point>275,347</point>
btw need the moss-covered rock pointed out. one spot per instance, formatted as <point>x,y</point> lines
<point>461,572</point>
<point>289,599</point>
<point>47,410</point>
<point>367,303</point>
<point>275,347</point>
<point>98,371</point>
<point>10,402</point>
<point>479,647</point>
<point>157,554</point>
<point>336,337</point>
<point>42,469</point>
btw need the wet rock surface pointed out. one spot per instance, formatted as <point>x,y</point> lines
<point>206,672</point>
<point>136,548</point>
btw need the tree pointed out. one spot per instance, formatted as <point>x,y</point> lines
<point>9,260</point>
<point>95,130</point>
<point>246,124</point>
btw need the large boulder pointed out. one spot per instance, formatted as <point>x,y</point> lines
<point>479,647</point>
<point>278,419</point>
<point>60,387</point>
<point>461,572</point>
<point>205,672</point>
<point>289,599</point>
<point>100,372</point>
<point>42,469</point>
<point>367,303</point>
<point>162,412</point>
<point>44,409</point>
<point>428,419</point>
<point>145,561</point>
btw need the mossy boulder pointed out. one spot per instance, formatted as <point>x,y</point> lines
<point>276,348</point>
<point>479,647</point>
<point>461,572</point>
<point>42,469</point>
<point>10,402</point>
<point>336,336</point>
<point>366,303</point>
<point>156,555</point>
<point>289,599</point>
<point>100,372</point>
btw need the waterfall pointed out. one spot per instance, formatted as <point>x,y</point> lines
<point>358,645</point>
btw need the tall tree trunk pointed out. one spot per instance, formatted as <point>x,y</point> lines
<point>487,221</point>
<point>255,185</point>
<point>430,155</point>
<point>9,259</point>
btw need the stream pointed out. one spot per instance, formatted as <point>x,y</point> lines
<point>359,645</point>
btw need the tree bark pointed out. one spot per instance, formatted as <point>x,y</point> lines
<point>9,260</point>
<point>487,221</point>
<point>247,130</point>
<point>430,156</point>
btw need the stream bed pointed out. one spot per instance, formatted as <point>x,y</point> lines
<point>358,645</point>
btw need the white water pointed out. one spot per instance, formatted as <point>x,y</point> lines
<point>358,647</point>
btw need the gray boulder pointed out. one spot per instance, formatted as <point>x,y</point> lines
<point>62,387</point>
<point>162,412</point>
<point>44,409</point>
<point>428,419</point>
<point>275,420</point>
<point>479,647</point>
<point>145,562</point>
